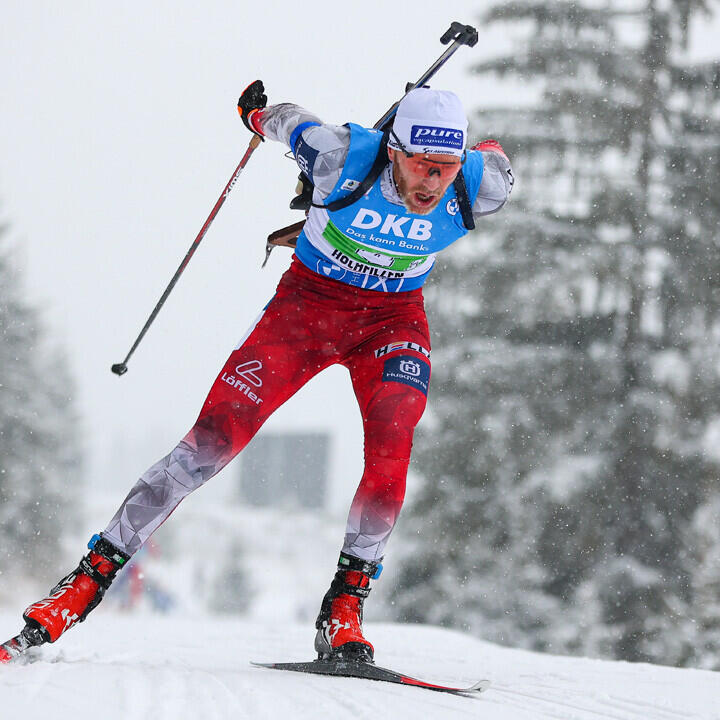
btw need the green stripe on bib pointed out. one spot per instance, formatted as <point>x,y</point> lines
<point>370,255</point>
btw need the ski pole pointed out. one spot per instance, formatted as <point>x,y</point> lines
<point>121,368</point>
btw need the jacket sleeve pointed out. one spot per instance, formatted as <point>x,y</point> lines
<point>320,150</point>
<point>497,181</point>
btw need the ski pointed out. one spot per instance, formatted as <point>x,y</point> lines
<point>16,646</point>
<point>13,647</point>
<point>370,671</point>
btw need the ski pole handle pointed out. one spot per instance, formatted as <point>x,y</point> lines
<point>121,368</point>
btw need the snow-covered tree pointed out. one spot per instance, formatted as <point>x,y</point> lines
<point>704,538</point>
<point>40,458</point>
<point>575,369</point>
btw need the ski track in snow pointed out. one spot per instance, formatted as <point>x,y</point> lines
<point>566,695</point>
<point>122,667</point>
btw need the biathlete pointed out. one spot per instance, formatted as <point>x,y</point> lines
<point>383,205</point>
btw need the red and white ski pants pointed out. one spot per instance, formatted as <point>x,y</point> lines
<point>312,322</point>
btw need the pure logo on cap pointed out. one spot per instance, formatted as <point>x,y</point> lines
<point>429,135</point>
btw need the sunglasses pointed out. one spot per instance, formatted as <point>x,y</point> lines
<point>420,164</point>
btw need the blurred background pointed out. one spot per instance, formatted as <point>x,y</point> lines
<point>564,488</point>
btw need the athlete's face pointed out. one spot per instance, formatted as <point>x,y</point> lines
<point>422,179</point>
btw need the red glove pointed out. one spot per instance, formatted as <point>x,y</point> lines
<point>491,146</point>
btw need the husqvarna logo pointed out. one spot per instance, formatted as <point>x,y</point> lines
<point>303,164</point>
<point>443,137</point>
<point>417,229</point>
<point>410,367</point>
<point>407,370</point>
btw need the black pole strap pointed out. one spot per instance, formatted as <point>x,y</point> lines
<point>464,201</point>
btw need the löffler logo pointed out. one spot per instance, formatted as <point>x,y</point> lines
<point>247,370</point>
<point>246,374</point>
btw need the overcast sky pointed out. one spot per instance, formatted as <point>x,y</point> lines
<point>118,132</point>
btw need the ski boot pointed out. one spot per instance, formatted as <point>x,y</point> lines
<point>72,599</point>
<point>339,624</point>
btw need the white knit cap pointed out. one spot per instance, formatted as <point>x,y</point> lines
<point>430,121</point>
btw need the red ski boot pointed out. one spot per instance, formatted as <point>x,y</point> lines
<point>72,599</point>
<point>339,624</point>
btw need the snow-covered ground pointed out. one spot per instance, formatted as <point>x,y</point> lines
<point>189,663</point>
<point>118,666</point>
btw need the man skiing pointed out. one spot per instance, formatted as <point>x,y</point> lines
<point>384,204</point>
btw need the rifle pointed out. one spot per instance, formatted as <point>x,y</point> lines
<point>459,34</point>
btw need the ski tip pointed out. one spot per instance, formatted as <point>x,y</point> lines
<point>480,686</point>
<point>17,647</point>
<point>11,650</point>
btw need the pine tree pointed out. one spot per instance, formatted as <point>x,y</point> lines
<point>563,460</point>
<point>694,156</point>
<point>40,458</point>
<point>704,538</point>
